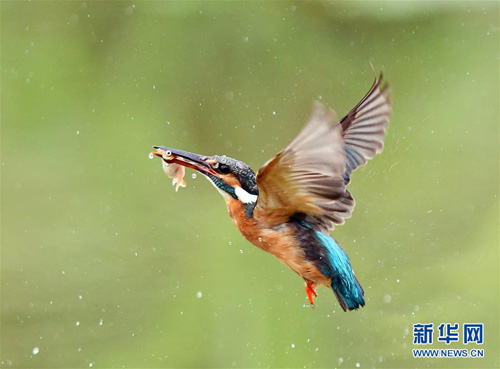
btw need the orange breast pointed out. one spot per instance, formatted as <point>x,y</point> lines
<point>279,241</point>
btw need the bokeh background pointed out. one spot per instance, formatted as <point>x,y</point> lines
<point>104,265</point>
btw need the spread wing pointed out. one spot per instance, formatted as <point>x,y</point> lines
<point>308,179</point>
<point>304,180</point>
<point>365,125</point>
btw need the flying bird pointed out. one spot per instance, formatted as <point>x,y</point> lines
<point>299,195</point>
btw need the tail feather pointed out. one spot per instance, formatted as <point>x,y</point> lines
<point>344,284</point>
<point>337,267</point>
<point>350,297</point>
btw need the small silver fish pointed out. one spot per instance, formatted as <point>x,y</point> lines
<point>172,170</point>
<point>177,172</point>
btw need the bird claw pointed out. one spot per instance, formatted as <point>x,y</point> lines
<point>311,293</point>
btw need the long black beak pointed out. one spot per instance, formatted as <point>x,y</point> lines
<point>184,158</point>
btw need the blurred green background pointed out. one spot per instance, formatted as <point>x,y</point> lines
<point>104,265</point>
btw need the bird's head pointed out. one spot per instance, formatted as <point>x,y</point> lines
<point>233,178</point>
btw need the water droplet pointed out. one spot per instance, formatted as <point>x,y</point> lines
<point>77,323</point>
<point>241,251</point>
<point>80,297</point>
<point>129,10</point>
<point>341,360</point>
<point>36,350</point>
<point>77,132</point>
<point>357,365</point>
<point>260,239</point>
<point>274,113</point>
<point>199,294</point>
<point>230,243</point>
<point>293,345</point>
<point>245,38</point>
<point>387,299</point>
<point>101,321</point>
<point>193,175</point>
<point>154,87</point>
<point>151,155</point>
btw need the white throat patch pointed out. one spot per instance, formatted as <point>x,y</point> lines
<point>244,196</point>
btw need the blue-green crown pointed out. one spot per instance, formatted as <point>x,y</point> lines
<point>242,171</point>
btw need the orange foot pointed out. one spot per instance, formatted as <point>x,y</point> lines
<point>310,291</point>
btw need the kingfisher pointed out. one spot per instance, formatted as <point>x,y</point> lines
<point>288,208</point>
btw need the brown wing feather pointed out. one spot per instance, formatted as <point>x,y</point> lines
<point>305,178</point>
<point>364,127</point>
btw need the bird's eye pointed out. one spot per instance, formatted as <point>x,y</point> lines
<point>167,154</point>
<point>224,169</point>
